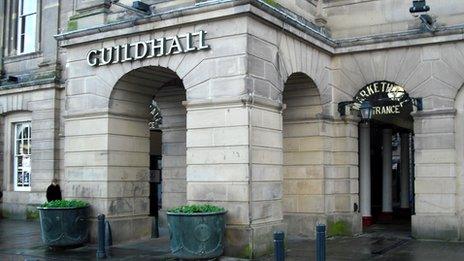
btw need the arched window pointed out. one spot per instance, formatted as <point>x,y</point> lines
<point>22,156</point>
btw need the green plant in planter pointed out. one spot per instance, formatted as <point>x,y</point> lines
<point>64,222</point>
<point>190,209</point>
<point>65,204</point>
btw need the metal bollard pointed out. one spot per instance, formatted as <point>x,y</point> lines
<point>101,251</point>
<point>279,246</point>
<point>154,228</point>
<point>320,242</point>
<point>108,235</point>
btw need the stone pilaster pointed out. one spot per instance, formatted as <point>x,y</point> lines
<point>234,156</point>
<point>341,173</point>
<point>106,163</point>
<point>435,176</point>
<point>89,13</point>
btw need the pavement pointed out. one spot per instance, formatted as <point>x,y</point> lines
<point>20,240</point>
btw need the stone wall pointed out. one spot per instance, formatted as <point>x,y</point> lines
<point>436,182</point>
<point>351,18</point>
<point>459,170</point>
<point>174,149</point>
<point>41,106</point>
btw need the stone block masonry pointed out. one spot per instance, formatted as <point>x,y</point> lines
<point>234,157</point>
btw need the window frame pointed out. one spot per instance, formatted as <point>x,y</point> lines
<point>15,154</point>
<point>19,17</point>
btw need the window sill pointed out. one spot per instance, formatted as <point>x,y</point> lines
<point>22,189</point>
<point>22,57</point>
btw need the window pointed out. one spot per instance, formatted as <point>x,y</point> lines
<point>27,26</point>
<point>22,156</point>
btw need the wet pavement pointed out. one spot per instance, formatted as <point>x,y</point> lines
<point>380,242</point>
<point>20,240</point>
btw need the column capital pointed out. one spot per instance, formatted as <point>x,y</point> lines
<point>247,100</point>
<point>435,112</point>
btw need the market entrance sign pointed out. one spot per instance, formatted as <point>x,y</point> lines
<point>389,101</point>
<point>163,46</point>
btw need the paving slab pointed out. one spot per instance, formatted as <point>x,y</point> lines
<point>20,240</point>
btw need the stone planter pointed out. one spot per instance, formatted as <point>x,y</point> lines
<point>64,226</point>
<point>196,235</point>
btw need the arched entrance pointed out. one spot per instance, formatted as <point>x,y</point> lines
<point>109,151</point>
<point>151,98</point>
<point>386,154</point>
<point>303,150</point>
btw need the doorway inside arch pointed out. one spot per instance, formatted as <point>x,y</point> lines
<point>147,122</point>
<point>386,159</point>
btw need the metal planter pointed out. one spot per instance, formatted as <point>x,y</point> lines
<point>64,226</point>
<point>197,235</point>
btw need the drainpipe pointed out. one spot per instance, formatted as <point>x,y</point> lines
<point>2,35</point>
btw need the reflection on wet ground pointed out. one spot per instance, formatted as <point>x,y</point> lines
<point>379,242</point>
<point>20,240</point>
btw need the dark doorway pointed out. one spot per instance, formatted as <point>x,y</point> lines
<point>386,153</point>
<point>400,214</point>
<point>155,172</point>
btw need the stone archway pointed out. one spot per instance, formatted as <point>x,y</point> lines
<point>303,150</point>
<point>130,98</point>
<point>107,152</point>
<point>386,148</point>
<point>320,157</point>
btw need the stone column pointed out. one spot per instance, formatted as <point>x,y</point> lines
<point>435,178</point>
<point>386,173</point>
<point>234,159</point>
<point>404,180</point>
<point>106,163</point>
<point>365,173</point>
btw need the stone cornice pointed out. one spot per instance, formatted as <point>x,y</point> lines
<point>182,16</point>
<point>30,86</point>
<point>260,9</point>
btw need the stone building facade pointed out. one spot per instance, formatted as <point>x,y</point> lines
<point>251,117</point>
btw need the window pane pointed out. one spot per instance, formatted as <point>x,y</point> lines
<point>18,147</point>
<point>30,33</point>
<point>19,178</point>
<point>26,131</point>
<point>19,131</point>
<point>25,149</point>
<point>19,162</point>
<point>29,6</point>
<point>26,178</point>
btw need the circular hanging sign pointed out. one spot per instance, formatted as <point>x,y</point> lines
<point>390,103</point>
